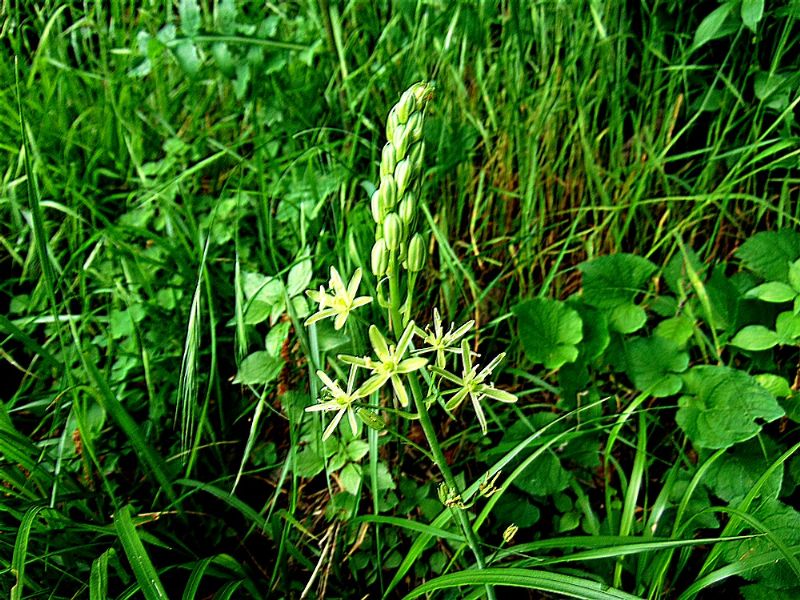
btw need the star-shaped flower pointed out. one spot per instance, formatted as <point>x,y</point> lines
<point>471,383</point>
<point>390,363</point>
<point>341,401</point>
<point>341,302</point>
<point>440,341</point>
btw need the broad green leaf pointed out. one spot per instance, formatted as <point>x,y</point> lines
<point>189,12</point>
<point>794,275</point>
<point>276,338</point>
<point>787,327</point>
<point>356,450</point>
<point>188,57</point>
<point>299,276</point>
<point>752,13</point>
<point>550,331</point>
<point>627,318</point>
<point>143,569</point>
<point>677,329</point>
<point>259,368</point>
<point>675,273</point>
<point>308,463</point>
<point>653,363</point>
<point>737,471</point>
<point>783,523</point>
<point>773,89</point>
<point>772,291</point>
<point>768,254</point>
<point>225,17</point>
<point>722,405</point>
<point>775,384</point>
<point>544,476</point>
<point>595,331</point>
<point>610,281</point>
<point>755,338</point>
<point>712,26</point>
<point>350,476</point>
<point>268,290</point>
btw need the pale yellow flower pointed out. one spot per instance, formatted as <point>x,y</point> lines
<point>340,302</point>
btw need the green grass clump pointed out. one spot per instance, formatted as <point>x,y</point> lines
<point>594,178</point>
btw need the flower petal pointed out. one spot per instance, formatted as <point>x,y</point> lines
<point>466,359</point>
<point>405,339</point>
<point>355,281</point>
<point>487,370</point>
<point>340,320</point>
<point>336,283</point>
<point>400,390</point>
<point>457,399</point>
<point>324,406</point>
<point>411,364</point>
<point>332,425</point>
<point>373,384</point>
<point>358,361</point>
<point>379,343</point>
<point>497,394</point>
<point>318,316</point>
<point>360,301</point>
<point>447,375</point>
<point>351,416</point>
<point>476,404</point>
<point>461,331</point>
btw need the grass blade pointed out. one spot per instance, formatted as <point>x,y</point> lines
<point>143,568</point>
<point>21,551</point>
<point>565,585</point>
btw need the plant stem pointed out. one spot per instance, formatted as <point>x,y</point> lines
<point>428,428</point>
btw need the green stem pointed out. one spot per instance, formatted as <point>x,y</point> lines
<point>428,428</point>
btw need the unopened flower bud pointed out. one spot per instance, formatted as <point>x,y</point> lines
<point>407,209</point>
<point>414,127</point>
<point>422,92</point>
<point>509,533</point>
<point>415,155</point>
<point>388,160</point>
<point>406,106</point>
<point>416,254</point>
<point>380,258</point>
<point>402,175</point>
<point>400,141</point>
<point>391,124</point>
<point>392,231</point>
<point>375,206</point>
<point>387,194</point>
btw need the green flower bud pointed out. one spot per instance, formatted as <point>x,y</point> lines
<point>400,141</point>
<point>407,208</point>
<point>415,155</point>
<point>422,92</point>
<point>392,231</point>
<point>380,258</point>
<point>402,176</point>
<point>414,127</point>
<point>387,194</point>
<point>416,254</point>
<point>375,206</point>
<point>406,106</point>
<point>392,124</point>
<point>388,160</point>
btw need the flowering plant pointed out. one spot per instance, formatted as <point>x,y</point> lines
<point>395,362</point>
